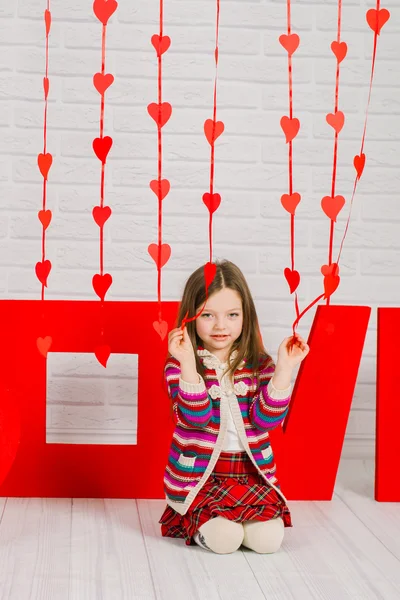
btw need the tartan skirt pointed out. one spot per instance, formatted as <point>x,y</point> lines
<point>234,490</point>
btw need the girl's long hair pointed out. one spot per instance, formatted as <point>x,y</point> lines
<point>249,344</point>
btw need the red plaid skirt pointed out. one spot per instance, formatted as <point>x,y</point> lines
<point>236,491</point>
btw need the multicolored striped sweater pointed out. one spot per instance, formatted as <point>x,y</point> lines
<point>201,420</point>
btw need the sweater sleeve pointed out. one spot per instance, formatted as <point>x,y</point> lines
<point>269,405</point>
<point>191,402</point>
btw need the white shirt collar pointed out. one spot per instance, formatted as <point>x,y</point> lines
<point>213,362</point>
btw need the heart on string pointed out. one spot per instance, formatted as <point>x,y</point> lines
<point>103,9</point>
<point>47,20</point>
<point>290,128</point>
<point>331,278</point>
<point>359,163</point>
<point>160,112</point>
<point>161,188</point>
<point>102,354</point>
<point>210,270</point>
<point>101,147</point>
<point>161,44</point>
<point>332,206</point>
<point>290,202</point>
<point>377,19</point>
<point>44,163</point>
<point>101,214</point>
<point>42,270</point>
<point>44,345</point>
<point>213,133</point>
<point>161,328</point>
<point>45,218</point>
<point>293,279</point>
<point>339,49</point>
<point>290,42</point>
<point>164,256</point>
<point>46,86</point>
<point>336,120</point>
<point>102,81</point>
<point>101,284</point>
<point>212,201</point>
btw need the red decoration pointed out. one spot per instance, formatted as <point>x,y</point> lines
<point>101,214</point>
<point>43,271</point>
<point>359,163</point>
<point>102,147</point>
<point>160,112</point>
<point>44,345</point>
<point>290,202</point>
<point>101,284</point>
<point>44,163</point>
<point>290,42</point>
<point>212,201</point>
<point>377,18</point>
<point>339,49</point>
<point>293,279</point>
<point>102,354</point>
<point>102,82</point>
<point>164,254</point>
<point>45,218</point>
<point>336,120</point>
<point>387,482</point>
<point>290,128</point>
<point>213,130</point>
<point>332,206</point>
<point>103,9</point>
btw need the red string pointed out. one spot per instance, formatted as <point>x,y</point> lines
<point>159,139</point>
<point>212,160</point>
<point>44,195</point>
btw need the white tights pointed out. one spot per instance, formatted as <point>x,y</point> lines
<point>223,536</point>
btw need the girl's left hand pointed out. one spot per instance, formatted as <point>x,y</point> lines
<point>291,354</point>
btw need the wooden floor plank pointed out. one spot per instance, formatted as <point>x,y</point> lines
<point>188,572</point>
<point>35,549</point>
<point>355,487</point>
<point>108,554</point>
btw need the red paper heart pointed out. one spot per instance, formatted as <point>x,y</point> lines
<point>101,283</point>
<point>102,81</point>
<point>331,278</point>
<point>290,128</point>
<point>377,20</point>
<point>293,279</point>
<point>332,269</point>
<point>44,163</point>
<point>46,86</point>
<point>212,201</point>
<point>103,9</point>
<point>290,202</point>
<point>101,214</point>
<point>101,147</point>
<point>165,253</point>
<point>336,120</point>
<point>42,270</point>
<point>47,20</point>
<point>45,218</point>
<point>359,163</point>
<point>339,49</point>
<point>161,327</point>
<point>213,133</point>
<point>290,42</point>
<point>160,112</point>
<point>332,206</point>
<point>43,345</point>
<point>102,354</point>
<point>161,44</point>
<point>210,270</point>
<point>161,188</point>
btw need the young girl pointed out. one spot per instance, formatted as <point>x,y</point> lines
<point>227,394</point>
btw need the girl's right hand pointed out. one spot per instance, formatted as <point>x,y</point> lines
<point>180,346</point>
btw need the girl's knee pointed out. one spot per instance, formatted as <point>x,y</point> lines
<point>221,535</point>
<point>264,537</point>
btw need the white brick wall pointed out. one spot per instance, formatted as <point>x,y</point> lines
<point>250,228</point>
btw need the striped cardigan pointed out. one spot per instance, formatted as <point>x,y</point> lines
<point>200,412</point>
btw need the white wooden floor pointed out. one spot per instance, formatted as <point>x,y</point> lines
<point>58,549</point>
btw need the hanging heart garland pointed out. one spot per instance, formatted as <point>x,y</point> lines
<point>160,112</point>
<point>44,162</point>
<point>101,282</point>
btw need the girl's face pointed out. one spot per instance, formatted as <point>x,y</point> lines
<point>220,324</point>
